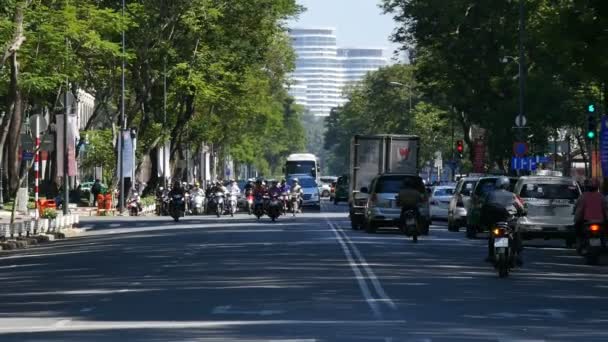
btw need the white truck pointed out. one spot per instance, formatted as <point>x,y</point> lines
<point>373,155</point>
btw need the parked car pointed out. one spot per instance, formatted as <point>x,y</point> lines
<point>460,203</point>
<point>550,203</point>
<point>325,185</point>
<point>311,197</point>
<point>341,191</point>
<point>382,209</point>
<point>440,201</point>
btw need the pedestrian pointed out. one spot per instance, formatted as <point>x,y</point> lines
<point>96,190</point>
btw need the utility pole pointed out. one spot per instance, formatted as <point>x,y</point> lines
<point>164,120</point>
<point>123,125</point>
<point>66,183</point>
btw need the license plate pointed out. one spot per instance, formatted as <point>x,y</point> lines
<point>595,242</point>
<point>410,221</point>
<point>501,242</point>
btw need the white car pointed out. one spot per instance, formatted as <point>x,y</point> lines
<point>440,201</point>
<point>325,185</point>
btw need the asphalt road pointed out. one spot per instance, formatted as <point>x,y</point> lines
<point>309,278</point>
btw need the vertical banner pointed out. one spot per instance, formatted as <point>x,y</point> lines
<point>71,150</point>
<point>127,154</point>
<point>164,161</point>
<point>604,145</point>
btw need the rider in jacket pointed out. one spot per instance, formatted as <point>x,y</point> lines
<point>591,207</point>
<point>499,206</point>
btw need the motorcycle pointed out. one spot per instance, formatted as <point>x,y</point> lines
<point>258,206</point>
<point>134,204</point>
<point>409,224</point>
<point>177,206</point>
<point>593,242</point>
<point>249,202</point>
<point>197,203</point>
<point>294,203</point>
<point>284,202</point>
<point>275,206</point>
<point>505,253</point>
<point>232,203</point>
<point>217,203</point>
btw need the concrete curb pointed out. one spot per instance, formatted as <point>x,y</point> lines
<point>20,235</point>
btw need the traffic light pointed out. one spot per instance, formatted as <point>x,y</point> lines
<point>591,124</point>
<point>459,148</point>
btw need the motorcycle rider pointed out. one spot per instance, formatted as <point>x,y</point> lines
<point>499,206</point>
<point>591,207</point>
<point>233,188</point>
<point>410,198</point>
<point>285,186</point>
<point>259,189</point>
<point>177,189</point>
<point>274,190</point>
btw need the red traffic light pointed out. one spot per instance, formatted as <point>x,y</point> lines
<point>459,146</point>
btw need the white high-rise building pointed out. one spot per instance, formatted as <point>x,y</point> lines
<point>322,69</point>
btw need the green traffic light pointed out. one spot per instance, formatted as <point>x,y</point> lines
<point>591,108</point>
<point>591,134</point>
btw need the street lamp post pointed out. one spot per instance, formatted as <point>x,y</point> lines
<point>409,89</point>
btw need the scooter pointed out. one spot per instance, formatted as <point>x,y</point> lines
<point>197,203</point>
<point>275,207</point>
<point>258,206</point>
<point>218,203</point>
<point>505,253</point>
<point>593,242</point>
<point>134,204</point>
<point>177,206</point>
<point>249,202</point>
<point>232,203</point>
<point>409,224</point>
<point>294,203</point>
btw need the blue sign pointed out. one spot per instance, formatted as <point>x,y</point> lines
<point>604,145</point>
<point>528,163</point>
<point>27,155</point>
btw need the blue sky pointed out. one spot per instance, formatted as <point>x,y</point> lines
<point>358,22</point>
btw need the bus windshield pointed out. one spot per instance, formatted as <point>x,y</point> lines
<point>302,167</point>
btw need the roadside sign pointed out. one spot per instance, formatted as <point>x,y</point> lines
<point>604,145</point>
<point>528,163</point>
<point>520,149</point>
<point>521,121</point>
<point>27,155</point>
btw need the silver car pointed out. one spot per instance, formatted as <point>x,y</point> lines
<point>382,209</point>
<point>310,191</point>
<point>460,203</point>
<point>440,201</point>
<point>550,203</point>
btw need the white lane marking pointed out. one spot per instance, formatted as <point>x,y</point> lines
<point>87,309</point>
<point>78,325</point>
<point>228,310</point>
<point>62,323</point>
<point>372,276</point>
<point>371,301</point>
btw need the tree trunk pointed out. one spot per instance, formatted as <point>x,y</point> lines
<point>14,128</point>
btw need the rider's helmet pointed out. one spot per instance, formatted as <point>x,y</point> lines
<point>197,184</point>
<point>503,183</point>
<point>283,181</point>
<point>177,185</point>
<point>275,183</point>
<point>258,182</point>
<point>296,181</point>
<point>232,181</point>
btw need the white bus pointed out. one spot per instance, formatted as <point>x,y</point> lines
<point>302,164</point>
